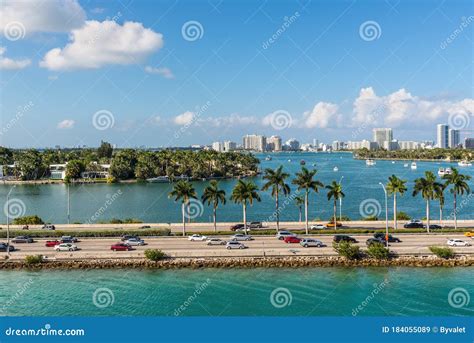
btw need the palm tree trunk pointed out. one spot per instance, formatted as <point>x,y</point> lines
<point>299,207</point>
<point>277,211</point>
<point>184,219</point>
<point>440,214</point>
<point>455,215</point>
<point>306,211</point>
<point>395,211</point>
<point>428,215</point>
<point>245,216</point>
<point>215,219</point>
<point>335,211</point>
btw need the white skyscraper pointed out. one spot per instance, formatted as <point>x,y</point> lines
<point>442,136</point>
<point>274,143</point>
<point>254,142</point>
<point>383,135</point>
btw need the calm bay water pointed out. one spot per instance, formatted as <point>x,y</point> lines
<point>150,202</point>
<point>229,292</point>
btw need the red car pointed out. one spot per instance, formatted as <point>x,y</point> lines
<point>292,239</point>
<point>120,247</point>
<point>52,243</point>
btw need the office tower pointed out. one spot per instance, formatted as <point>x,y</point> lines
<point>442,136</point>
<point>453,138</point>
<point>254,142</point>
<point>274,143</point>
<point>382,135</point>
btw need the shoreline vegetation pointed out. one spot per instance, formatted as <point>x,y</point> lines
<point>429,155</point>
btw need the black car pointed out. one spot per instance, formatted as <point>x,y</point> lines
<point>237,227</point>
<point>127,237</point>
<point>414,225</point>
<point>391,239</point>
<point>435,227</point>
<point>255,225</point>
<point>4,246</point>
<point>145,227</point>
<point>371,241</point>
<point>344,238</point>
<point>22,239</point>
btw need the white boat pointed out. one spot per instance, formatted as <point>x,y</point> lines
<point>413,165</point>
<point>268,158</point>
<point>159,179</point>
<point>393,162</point>
<point>370,162</point>
<point>444,171</point>
<point>406,165</point>
<point>464,163</point>
<point>335,169</point>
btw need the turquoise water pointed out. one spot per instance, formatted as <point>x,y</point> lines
<point>150,202</point>
<point>233,292</point>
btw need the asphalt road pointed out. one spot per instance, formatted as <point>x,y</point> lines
<point>260,246</point>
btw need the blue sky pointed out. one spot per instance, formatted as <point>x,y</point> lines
<point>76,72</point>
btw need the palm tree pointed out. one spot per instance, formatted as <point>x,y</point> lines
<point>243,193</point>
<point>394,186</point>
<point>458,183</point>
<point>184,191</point>
<point>427,187</point>
<point>335,192</point>
<point>213,195</point>
<point>305,180</point>
<point>300,201</point>
<point>440,196</point>
<point>276,181</point>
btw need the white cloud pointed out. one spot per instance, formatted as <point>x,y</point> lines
<point>185,118</point>
<point>42,16</point>
<point>401,108</point>
<point>165,72</point>
<point>100,43</point>
<point>323,115</point>
<point>10,64</point>
<point>66,124</point>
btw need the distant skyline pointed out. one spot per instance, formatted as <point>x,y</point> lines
<point>177,73</point>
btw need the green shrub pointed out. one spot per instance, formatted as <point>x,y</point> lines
<point>371,218</point>
<point>443,252</point>
<point>88,233</point>
<point>403,216</point>
<point>154,254</point>
<point>347,250</point>
<point>125,221</point>
<point>378,251</point>
<point>33,259</point>
<point>28,220</point>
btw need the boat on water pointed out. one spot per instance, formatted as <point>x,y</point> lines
<point>464,163</point>
<point>289,160</point>
<point>159,179</point>
<point>406,165</point>
<point>413,166</point>
<point>444,171</point>
<point>370,162</point>
<point>393,162</point>
<point>268,158</point>
<point>335,169</point>
<point>314,164</point>
<point>302,162</point>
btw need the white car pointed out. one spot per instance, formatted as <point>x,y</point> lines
<point>215,241</point>
<point>241,237</point>
<point>458,243</point>
<point>282,234</point>
<point>318,227</point>
<point>310,242</point>
<point>135,241</point>
<point>197,237</point>
<point>235,245</point>
<point>65,247</point>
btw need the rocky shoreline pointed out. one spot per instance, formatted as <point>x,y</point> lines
<point>242,262</point>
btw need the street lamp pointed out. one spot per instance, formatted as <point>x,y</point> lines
<point>8,220</point>
<point>68,205</point>
<point>386,214</point>
<point>340,202</point>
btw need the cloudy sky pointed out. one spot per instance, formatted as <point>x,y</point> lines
<point>174,73</point>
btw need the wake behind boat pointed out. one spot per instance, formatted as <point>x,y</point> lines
<point>370,162</point>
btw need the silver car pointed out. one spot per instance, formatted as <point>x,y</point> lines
<point>310,242</point>
<point>235,245</point>
<point>282,234</point>
<point>215,241</point>
<point>241,237</point>
<point>65,247</point>
<point>135,241</point>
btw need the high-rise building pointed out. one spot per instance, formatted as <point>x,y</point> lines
<point>229,146</point>
<point>408,145</point>
<point>254,142</point>
<point>469,143</point>
<point>217,146</point>
<point>293,144</point>
<point>383,135</point>
<point>454,137</point>
<point>274,143</point>
<point>337,145</point>
<point>391,145</point>
<point>442,136</point>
